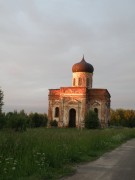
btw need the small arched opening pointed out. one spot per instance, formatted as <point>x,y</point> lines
<point>72,118</point>
<point>87,82</point>
<point>96,110</point>
<point>56,112</point>
<point>79,81</point>
<point>74,82</point>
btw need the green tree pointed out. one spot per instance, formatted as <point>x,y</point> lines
<point>2,120</point>
<point>91,120</point>
<point>16,121</point>
<point>1,100</point>
<point>37,120</point>
<point>53,123</point>
<point>122,117</point>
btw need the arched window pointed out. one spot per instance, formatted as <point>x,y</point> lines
<point>79,81</point>
<point>56,112</point>
<point>87,82</point>
<point>74,82</point>
<point>96,110</point>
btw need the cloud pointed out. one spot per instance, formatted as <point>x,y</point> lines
<point>41,40</point>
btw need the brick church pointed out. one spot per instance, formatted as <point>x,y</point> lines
<point>68,105</point>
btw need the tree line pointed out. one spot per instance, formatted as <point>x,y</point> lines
<point>122,117</point>
<point>19,121</point>
<point>118,117</point>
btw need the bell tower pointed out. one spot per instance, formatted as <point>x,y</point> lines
<point>82,74</point>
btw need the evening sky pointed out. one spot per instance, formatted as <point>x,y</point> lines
<point>40,40</point>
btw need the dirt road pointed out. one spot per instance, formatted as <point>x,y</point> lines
<point>116,165</point>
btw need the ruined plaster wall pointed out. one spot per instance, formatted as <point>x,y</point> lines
<point>79,108</point>
<point>100,99</point>
<point>73,97</point>
<point>108,101</point>
<point>81,99</point>
<point>82,77</point>
<point>53,102</point>
<point>103,114</point>
<point>100,105</point>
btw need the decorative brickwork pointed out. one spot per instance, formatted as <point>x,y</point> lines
<point>68,105</point>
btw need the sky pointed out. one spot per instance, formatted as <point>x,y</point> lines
<point>40,40</point>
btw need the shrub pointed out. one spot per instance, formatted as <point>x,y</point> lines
<point>91,120</point>
<point>16,121</point>
<point>54,123</point>
<point>38,120</point>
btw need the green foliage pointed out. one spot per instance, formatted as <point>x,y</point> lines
<point>121,117</point>
<point>1,100</point>
<point>16,121</point>
<point>41,153</point>
<point>91,120</point>
<point>38,120</point>
<point>2,120</point>
<point>54,123</point>
<point>19,121</point>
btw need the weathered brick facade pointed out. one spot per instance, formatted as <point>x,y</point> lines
<point>68,105</point>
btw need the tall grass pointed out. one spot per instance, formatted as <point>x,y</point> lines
<point>48,153</point>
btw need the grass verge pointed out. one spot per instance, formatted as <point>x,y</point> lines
<point>50,153</point>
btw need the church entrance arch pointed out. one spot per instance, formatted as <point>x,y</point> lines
<point>72,118</point>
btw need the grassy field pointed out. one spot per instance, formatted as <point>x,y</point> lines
<point>49,153</point>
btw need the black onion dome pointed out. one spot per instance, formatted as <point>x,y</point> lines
<point>82,66</point>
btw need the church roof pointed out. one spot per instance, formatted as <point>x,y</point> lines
<point>97,91</point>
<point>82,66</point>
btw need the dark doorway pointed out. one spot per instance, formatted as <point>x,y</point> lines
<point>96,110</point>
<point>72,118</point>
